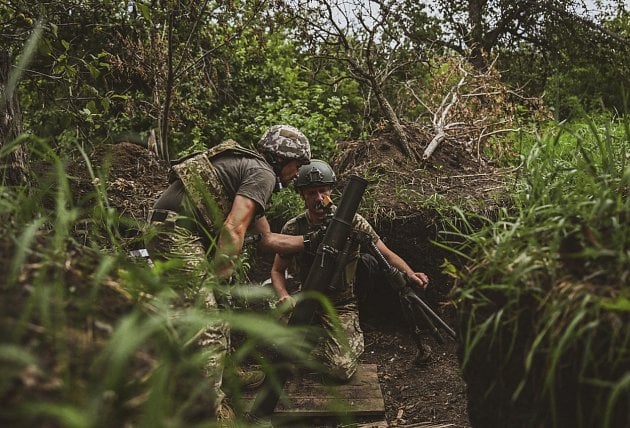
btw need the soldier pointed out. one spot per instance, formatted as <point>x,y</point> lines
<point>314,184</point>
<point>201,220</point>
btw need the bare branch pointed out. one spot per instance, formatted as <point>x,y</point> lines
<point>440,116</point>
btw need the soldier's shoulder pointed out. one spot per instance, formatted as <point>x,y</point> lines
<point>359,220</point>
<point>292,226</point>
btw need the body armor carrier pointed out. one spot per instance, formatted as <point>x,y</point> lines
<point>202,182</point>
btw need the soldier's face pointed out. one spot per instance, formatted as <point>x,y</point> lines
<point>313,198</point>
<point>289,171</point>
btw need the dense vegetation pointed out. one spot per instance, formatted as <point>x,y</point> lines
<point>89,337</point>
<point>543,300</point>
<point>199,72</point>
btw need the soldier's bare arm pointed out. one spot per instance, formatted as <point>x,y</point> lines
<point>277,242</point>
<point>233,233</point>
<point>278,278</point>
<point>419,279</point>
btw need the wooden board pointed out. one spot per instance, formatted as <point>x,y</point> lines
<point>306,396</point>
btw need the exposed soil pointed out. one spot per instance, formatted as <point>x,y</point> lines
<point>431,393</point>
<point>396,204</point>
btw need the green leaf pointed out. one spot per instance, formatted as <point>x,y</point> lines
<point>15,354</point>
<point>144,10</point>
<point>66,415</point>
<point>91,106</point>
<point>105,104</point>
<point>620,304</point>
<point>94,72</point>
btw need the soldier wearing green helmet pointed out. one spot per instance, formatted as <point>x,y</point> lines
<point>339,355</point>
<point>213,199</point>
<point>315,173</point>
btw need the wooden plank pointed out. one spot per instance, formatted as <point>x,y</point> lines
<point>317,391</point>
<point>306,396</point>
<point>328,406</point>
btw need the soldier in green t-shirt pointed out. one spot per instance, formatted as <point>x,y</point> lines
<point>339,355</point>
<point>201,219</point>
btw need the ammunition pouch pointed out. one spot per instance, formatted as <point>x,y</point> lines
<point>170,218</point>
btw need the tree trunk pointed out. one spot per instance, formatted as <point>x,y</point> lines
<point>390,114</point>
<point>475,39</point>
<point>13,165</point>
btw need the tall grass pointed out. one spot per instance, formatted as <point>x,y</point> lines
<point>90,337</point>
<point>544,297</point>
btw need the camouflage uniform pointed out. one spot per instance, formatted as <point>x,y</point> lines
<point>194,284</point>
<point>203,183</point>
<point>178,236</point>
<point>339,354</point>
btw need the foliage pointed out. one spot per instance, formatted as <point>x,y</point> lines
<point>222,74</point>
<point>267,86</point>
<point>204,72</point>
<point>542,296</point>
<point>540,44</point>
<point>92,337</point>
<point>364,41</point>
<point>285,205</point>
<point>470,108</point>
<point>574,82</point>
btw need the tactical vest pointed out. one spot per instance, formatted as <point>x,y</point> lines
<point>202,183</point>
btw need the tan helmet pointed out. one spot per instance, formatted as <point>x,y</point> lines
<point>315,173</point>
<point>283,143</point>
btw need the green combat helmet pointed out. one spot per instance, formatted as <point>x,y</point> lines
<point>282,143</point>
<point>315,173</point>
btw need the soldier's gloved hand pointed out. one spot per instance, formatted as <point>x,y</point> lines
<point>313,239</point>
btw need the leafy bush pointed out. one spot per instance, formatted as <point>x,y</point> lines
<point>285,205</point>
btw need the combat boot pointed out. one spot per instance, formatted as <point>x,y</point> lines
<point>251,379</point>
<point>225,416</point>
<point>424,355</point>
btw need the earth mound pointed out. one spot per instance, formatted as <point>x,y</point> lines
<point>134,178</point>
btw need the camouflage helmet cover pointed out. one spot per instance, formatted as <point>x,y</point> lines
<point>284,142</point>
<point>315,173</point>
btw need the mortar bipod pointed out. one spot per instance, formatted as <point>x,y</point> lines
<point>409,299</point>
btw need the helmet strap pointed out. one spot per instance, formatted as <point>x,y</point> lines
<point>277,164</point>
<point>279,185</point>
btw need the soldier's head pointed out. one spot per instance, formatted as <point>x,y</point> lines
<point>314,183</point>
<point>285,148</point>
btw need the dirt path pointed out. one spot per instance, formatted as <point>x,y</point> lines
<point>431,393</point>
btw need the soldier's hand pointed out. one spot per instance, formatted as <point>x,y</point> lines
<point>313,239</point>
<point>418,279</point>
<point>288,301</point>
<point>286,305</point>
